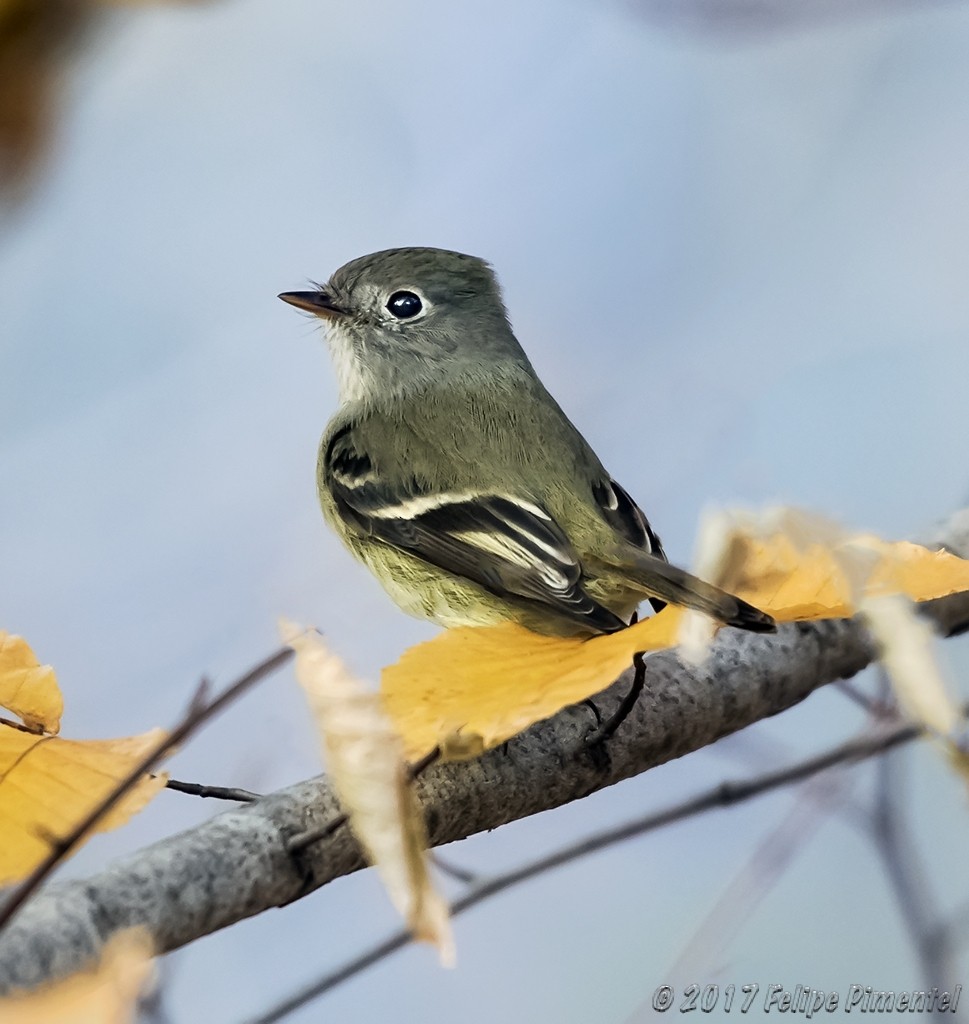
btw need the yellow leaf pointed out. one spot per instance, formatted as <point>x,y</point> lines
<point>921,574</point>
<point>794,585</point>
<point>27,688</point>
<point>107,994</point>
<point>823,580</point>
<point>49,784</point>
<point>365,760</point>
<point>491,682</point>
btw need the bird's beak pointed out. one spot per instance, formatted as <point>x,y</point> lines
<point>318,303</point>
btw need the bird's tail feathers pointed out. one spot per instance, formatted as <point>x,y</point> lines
<point>659,579</point>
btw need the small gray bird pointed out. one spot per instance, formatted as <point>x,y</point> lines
<point>455,477</point>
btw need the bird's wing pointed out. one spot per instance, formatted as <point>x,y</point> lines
<point>506,544</point>
<point>626,517</point>
<point>629,521</point>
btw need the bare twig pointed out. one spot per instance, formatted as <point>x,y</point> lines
<point>724,795</point>
<point>757,19</point>
<point>212,792</point>
<point>757,876</point>
<point>198,712</point>
<point>875,706</point>
<point>456,872</point>
<point>955,927</point>
<point>9,723</point>
<point>918,910</point>
<point>299,843</point>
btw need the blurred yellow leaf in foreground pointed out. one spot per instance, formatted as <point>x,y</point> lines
<point>108,994</point>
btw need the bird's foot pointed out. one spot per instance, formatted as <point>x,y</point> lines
<point>605,729</point>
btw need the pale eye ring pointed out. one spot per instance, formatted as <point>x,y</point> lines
<point>404,305</point>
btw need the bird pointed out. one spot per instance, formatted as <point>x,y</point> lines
<point>456,478</point>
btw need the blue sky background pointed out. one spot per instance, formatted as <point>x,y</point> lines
<point>740,263</point>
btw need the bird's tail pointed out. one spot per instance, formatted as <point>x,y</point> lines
<point>659,579</point>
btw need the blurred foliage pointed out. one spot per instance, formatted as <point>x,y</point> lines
<point>36,37</point>
<point>37,40</point>
<point>756,17</point>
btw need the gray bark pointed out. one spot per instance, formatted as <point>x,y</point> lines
<point>237,865</point>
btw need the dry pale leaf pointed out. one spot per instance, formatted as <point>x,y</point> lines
<point>907,646</point>
<point>364,756</point>
<point>906,650</point>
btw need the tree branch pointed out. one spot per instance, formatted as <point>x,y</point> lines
<point>237,865</point>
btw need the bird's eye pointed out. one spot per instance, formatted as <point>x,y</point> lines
<point>404,305</point>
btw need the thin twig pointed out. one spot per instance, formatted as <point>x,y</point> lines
<point>918,912</point>
<point>212,792</point>
<point>761,872</point>
<point>20,726</point>
<point>196,714</point>
<point>723,795</point>
<point>299,843</point>
<point>459,874</point>
<point>956,926</point>
<point>875,706</point>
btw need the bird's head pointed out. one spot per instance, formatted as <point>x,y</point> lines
<point>402,319</point>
